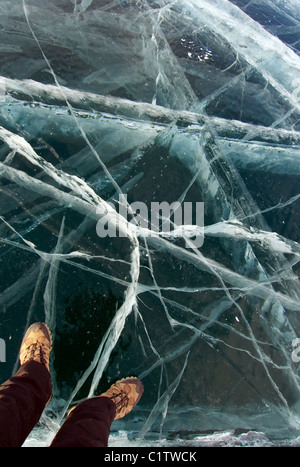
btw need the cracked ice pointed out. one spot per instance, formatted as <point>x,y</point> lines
<point>150,102</point>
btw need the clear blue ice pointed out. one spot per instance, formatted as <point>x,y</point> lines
<point>165,100</point>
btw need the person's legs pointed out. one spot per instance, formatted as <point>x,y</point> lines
<point>24,396</point>
<point>22,401</point>
<point>88,424</point>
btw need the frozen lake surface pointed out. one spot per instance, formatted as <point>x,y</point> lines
<point>111,110</point>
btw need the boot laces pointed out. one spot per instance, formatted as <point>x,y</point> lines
<point>123,399</point>
<point>36,349</point>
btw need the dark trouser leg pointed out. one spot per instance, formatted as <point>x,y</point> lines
<point>22,401</point>
<point>88,425</point>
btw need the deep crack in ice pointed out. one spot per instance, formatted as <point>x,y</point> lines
<point>105,105</point>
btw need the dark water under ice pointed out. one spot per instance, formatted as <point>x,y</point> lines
<point>185,101</point>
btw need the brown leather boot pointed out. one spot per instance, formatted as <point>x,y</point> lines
<point>125,393</point>
<point>36,345</point>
